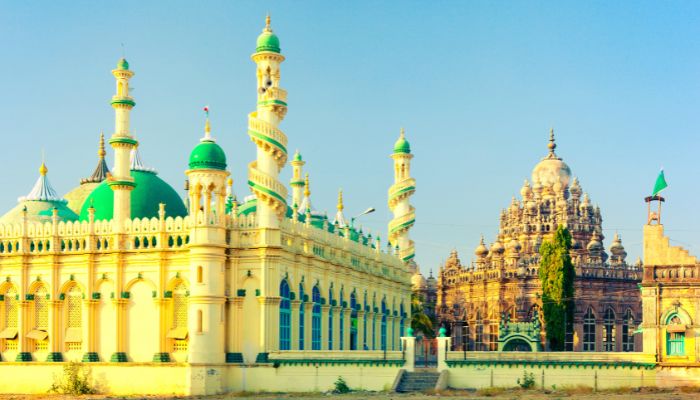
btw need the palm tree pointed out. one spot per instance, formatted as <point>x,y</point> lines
<point>419,321</point>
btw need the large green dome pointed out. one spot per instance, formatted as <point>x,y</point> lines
<point>208,155</point>
<point>149,192</point>
<point>402,146</point>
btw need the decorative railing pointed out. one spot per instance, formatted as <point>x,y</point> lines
<point>332,358</point>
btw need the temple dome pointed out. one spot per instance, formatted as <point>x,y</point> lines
<point>551,169</point>
<point>418,281</point>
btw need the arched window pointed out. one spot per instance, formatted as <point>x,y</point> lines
<point>353,321</point>
<point>675,336</point>
<point>374,324</point>
<point>382,331</point>
<point>301,317</point>
<point>628,331</point>
<point>401,322</point>
<point>609,330</point>
<point>364,325</point>
<point>316,319</point>
<point>178,332</point>
<point>330,319</point>
<point>9,332</point>
<point>589,330</point>
<point>41,320</point>
<point>74,319</point>
<point>285,316</point>
<point>341,333</point>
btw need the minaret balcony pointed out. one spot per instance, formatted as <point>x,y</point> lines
<point>123,100</point>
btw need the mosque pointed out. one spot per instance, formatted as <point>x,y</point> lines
<point>122,270</point>
<point>478,301</point>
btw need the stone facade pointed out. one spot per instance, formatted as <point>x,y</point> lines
<point>503,278</point>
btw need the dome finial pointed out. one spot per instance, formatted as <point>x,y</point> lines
<point>552,145</point>
<point>340,200</point>
<point>403,133</point>
<point>43,170</point>
<point>267,23</point>
<point>101,152</point>
<point>307,190</point>
<point>207,126</point>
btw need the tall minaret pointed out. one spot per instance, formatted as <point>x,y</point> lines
<point>404,214</point>
<point>263,173</point>
<point>122,142</point>
<point>297,181</point>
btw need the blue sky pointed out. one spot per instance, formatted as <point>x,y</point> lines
<point>476,85</point>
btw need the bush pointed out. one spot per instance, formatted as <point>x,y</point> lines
<point>74,381</point>
<point>341,386</point>
<point>528,381</point>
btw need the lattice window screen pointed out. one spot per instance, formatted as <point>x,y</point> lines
<point>41,309</point>
<point>75,310</point>
<point>180,306</point>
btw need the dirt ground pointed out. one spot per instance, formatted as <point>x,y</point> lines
<point>493,393</point>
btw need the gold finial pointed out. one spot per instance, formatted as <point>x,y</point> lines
<point>43,170</point>
<point>403,134</point>
<point>551,144</point>
<point>340,200</point>
<point>307,190</point>
<point>267,23</point>
<point>101,152</point>
<point>229,182</point>
<point>207,126</point>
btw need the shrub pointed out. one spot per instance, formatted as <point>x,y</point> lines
<point>528,381</point>
<point>74,381</point>
<point>341,386</point>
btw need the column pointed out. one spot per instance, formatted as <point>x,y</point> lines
<point>22,328</point>
<point>325,310</point>
<point>307,324</point>
<point>378,331</point>
<point>409,346</point>
<point>236,332</point>
<point>270,322</point>
<point>443,344</point>
<point>296,305</point>
<point>336,328</point>
<point>346,332</point>
<point>360,330</point>
<point>371,331</point>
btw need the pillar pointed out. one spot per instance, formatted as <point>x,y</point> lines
<point>360,330</point>
<point>325,310</point>
<point>296,305</point>
<point>409,351</point>
<point>444,344</point>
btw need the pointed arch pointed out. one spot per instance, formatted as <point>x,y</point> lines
<point>285,316</point>
<point>589,328</point>
<point>316,318</point>
<point>10,324</point>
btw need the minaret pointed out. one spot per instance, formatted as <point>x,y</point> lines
<point>207,254</point>
<point>263,173</point>
<point>122,142</point>
<point>399,193</point>
<point>297,182</point>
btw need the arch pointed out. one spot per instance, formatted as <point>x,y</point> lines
<point>67,285</point>
<point>675,335</point>
<point>40,321</point>
<point>302,323</point>
<point>285,316</point>
<point>353,320</point>
<point>316,319</point>
<point>341,325</point>
<point>517,342</point>
<point>627,331</point>
<point>383,328</point>
<point>680,312</point>
<point>179,315</point>
<point>330,317</point>
<point>148,282</point>
<point>73,318</point>
<point>10,323</point>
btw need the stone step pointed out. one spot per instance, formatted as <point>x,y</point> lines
<point>418,381</point>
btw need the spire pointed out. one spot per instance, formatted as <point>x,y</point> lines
<point>137,164</point>
<point>267,24</point>
<point>552,145</point>
<point>306,201</point>
<point>307,189</point>
<point>207,127</point>
<point>42,190</point>
<point>101,171</point>
<point>339,217</point>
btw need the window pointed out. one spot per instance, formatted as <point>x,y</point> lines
<point>301,317</point>
<point>200,278</point>
<point>382,331</point>
<point>41,319</point>
<point>401,323</point>
<point>627,331</point>
<point>479,342</point>
<point>316,320</point>
<point>330,319</point>
<point>74,318</point>
<point>609,330</point>
<point>179,328</point>
<point>493,335</point>
<point>364,327</point>
<point>9,332</point>
<point>589,331</point>
<point>353,321</point>
<point>200,321</point>
<point>285,323</point>
<point>374,327</point>
<point>675,336</point>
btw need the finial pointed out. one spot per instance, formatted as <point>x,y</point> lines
<point>229,182</point>
<point>551,144</point>
<point>43,170</point>
<point>267,23</point>
<point>403,133</point>
<point>207,127</point>
<point>101,152</point>
<point>307,190</point>
<point>340,200</point>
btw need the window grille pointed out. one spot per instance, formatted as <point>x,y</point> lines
<point>74,322</point>
<point>628,332</point>
<point>180,314</point>
<point>589,331</point>
<point>285,323</point>
<point>609,330</point>
<point>11,317</point>
<point>316,320</point>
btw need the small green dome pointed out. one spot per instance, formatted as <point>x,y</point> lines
<point>146,197</point>
<point>122,64</point>
<point>268,41</point>
<point>402,146</point>
<point>297,157</point>
<point>208,155</point>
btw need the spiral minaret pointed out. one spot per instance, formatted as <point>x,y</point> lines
<point>263,173</point>
<point>399,193</point>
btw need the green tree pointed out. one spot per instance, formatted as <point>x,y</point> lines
<point>557,279</point>
<point>420,322</point>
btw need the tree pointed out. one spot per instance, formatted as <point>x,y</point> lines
<point>419,320</point>
<point>557,279</point>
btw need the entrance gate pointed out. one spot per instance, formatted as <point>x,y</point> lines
<point>426,352</point>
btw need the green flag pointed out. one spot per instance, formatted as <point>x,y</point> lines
<point>660,183</point>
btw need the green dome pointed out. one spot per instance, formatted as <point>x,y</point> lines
<point>122,64</point>
<point>268,41</point>
<point>297,157</point>
<point>149,192</point>
<point>402,146</point>
<point>208,155</point>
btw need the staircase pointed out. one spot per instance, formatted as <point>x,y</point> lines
<point>419,381</point>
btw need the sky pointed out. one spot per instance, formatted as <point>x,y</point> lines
<point>476,85</point>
